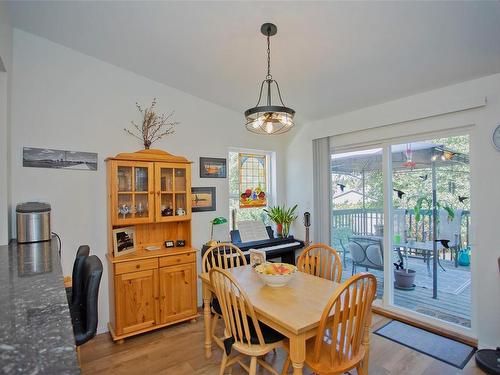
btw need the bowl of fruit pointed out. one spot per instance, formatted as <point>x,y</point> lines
<point>275,274</point>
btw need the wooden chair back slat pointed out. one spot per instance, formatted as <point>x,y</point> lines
<point>223,255</point>
<point>237,310</point>
<point>321,260</point>
<point>347,317</point>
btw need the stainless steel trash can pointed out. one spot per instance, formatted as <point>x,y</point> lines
<point>33,222</point>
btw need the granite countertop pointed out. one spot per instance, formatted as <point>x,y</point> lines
<point>36,336</point>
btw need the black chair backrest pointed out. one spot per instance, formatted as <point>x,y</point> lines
<point>76,283</point>
<point>86,322</point>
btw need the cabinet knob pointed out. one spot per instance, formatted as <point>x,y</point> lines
<point>137,266</point>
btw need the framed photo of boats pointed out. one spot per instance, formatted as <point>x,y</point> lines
<point>213,167</point>
<point>203,199</point>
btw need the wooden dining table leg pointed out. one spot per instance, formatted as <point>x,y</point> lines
<point>297,353</point>
<point>207,319</point>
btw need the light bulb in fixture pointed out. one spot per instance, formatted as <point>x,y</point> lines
<point>269,127</point>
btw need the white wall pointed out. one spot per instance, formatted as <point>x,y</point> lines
<point>367,125</point>
<point>63,99</point>
<point>5,91</point>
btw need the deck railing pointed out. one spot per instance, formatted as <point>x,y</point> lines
<point>370,221</point>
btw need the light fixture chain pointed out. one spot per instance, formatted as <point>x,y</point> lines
<point>269,76</point>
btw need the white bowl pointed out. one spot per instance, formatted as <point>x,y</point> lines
<point>275,280</point>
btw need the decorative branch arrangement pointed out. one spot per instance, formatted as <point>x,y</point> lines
<point>154,126</point>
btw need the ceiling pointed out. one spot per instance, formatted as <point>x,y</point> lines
<point>328,57</point>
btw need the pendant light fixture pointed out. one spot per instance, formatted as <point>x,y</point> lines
<point>269,119</point>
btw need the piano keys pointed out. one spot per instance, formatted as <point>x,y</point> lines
<point>275,247</point>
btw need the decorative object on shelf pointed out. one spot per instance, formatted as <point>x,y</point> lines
<point>124,210</point>
<point>123,241</point>
<point>269,119</point>
<point>213,167</point>
<point>252,180</point>
<point>283,217</point>
<point>139,209</point>
<point>154,126</point>
<point>167,212</point>
<point>203,199</point>
<point>180,211</point>
<point>152,248</point>
<point>169,243</point>
<point>59,159</point>
<point>180,243</point>
<point>216,221</point>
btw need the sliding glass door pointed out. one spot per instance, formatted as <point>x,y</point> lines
<point>430,242</point>
<point>357,217</point>
<point>423,187</point>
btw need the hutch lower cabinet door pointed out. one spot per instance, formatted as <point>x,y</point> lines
<point>177,292</point>
<point>135,301</point>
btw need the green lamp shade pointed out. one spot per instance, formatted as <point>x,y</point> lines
<point>219,220</point>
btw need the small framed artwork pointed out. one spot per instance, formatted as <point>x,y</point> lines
<point>257,257</point>
<point>203,199</point>
<point>213,168</point>
<point>123,241</point>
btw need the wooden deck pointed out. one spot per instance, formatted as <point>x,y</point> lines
<point>454,292</point>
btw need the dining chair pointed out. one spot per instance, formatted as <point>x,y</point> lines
<point>321,260</point>
<point>84,315</point>
<point>223,255</point>
<point>343,336</point>
<point>75,291</point>
<point>244,333</point>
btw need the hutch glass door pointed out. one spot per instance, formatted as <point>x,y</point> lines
<point>133,193</point>
<point>172,190</point>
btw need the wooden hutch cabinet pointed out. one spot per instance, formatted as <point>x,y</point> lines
<point>151,191</point>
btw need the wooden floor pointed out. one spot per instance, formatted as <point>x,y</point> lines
<point>178,350</point>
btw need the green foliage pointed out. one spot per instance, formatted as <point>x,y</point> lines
<point>282,215</point>
<point>411,182</point>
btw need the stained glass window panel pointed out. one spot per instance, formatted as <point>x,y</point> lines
<point>253,187</point>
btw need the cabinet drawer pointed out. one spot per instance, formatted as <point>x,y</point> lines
<point>137,265</point>
<point>172,260</point>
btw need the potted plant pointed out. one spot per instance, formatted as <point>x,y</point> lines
<point>283,217</point>
<point>428,202</point>
<point>403,278</point>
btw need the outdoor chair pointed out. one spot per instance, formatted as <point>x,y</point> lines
<point>366,252</point>
<point>340,240</point>
<point>450,230</point>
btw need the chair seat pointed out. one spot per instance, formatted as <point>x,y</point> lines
<point>323,365</point>
<point>269,335</point>
<point>216,306</point>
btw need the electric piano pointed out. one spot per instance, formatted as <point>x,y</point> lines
<point>275,247</point>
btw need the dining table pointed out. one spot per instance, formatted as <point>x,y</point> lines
<point>294,310</point>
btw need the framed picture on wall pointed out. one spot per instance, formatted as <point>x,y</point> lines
<point>123,241</point>
<point>213,168</point>
<point>203,199</point>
